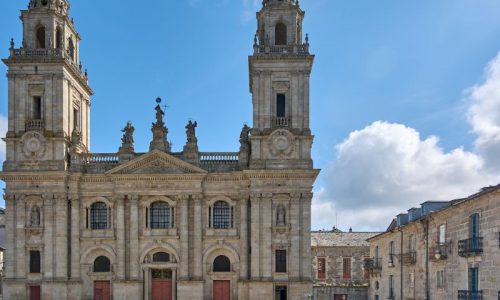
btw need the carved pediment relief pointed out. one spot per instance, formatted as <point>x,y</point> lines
<point>156,162</point>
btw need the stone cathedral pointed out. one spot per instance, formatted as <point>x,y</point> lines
<point>158,224</point>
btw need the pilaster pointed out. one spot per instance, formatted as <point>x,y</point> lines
<point>197,237</point>
<point>266,235</point>
<point>61,236</point>
<point>75,236</point>
<point>184,237</point>
<point>120,236</point>
<point>10,225</point>
<point>244,238</point>
<point>133,202</point>
<point>255,235</point>
<point>306,272</point>
<point>295,237</point>
<point>48,232</point>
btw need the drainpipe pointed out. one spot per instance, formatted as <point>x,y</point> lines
<point>426,231</point>
<point>401,263</point>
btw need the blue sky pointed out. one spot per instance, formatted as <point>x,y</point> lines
<point>412,65</point>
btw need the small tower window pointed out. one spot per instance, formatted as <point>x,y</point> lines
<point>40,37</point>
<point>45,2</point>
<point>76,118</point>
<point>37,108</point>
<point>280,261</point>
<point>280,38</point>
<point>58,38</point>
<point>161,257</point>
<point>280,105</point>
<point>71,49</point>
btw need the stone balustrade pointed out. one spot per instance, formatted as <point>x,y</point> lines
<point>302,49</point>
<point>34,125</point>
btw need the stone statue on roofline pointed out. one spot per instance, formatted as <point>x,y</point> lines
<point>159,131</point>
<point>191,152</point>
<point>126,151</point>
<point>191,132</point>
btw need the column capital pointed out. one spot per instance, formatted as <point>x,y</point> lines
<point>255,196</point>
<point>183,197</point>
<point>307,195</point>
<point>197,197</point>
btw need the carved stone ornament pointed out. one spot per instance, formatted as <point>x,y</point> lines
<point>281,143</point>
<point>33,145</point>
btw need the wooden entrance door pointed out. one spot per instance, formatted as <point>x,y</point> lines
<point>222,290</point>
<point>35,292</point>
<point>161,285</point>
<point>102,290</point>
<point>340,297</point>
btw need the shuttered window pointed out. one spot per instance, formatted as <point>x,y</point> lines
<point>321,268</point>
<point>347,268</point>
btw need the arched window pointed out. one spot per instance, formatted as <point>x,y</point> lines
<point>161,257</point>
<point>222,264</point>
<point>35,216</point>
<point>58,38</point>
<point>40,37</point>
<point>280,215</point>
<point>102,265</point>
<point>71,49</point>
<point>160,215</point>
<point>99,216</point>
<point>222,215</point>
<point>280,37</point>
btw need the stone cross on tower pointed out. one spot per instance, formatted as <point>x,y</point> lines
<point>159,130</point>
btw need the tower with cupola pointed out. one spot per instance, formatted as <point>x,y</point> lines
<point>49,93</point>
<point>279,82</point>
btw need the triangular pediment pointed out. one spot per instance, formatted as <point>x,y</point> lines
<point>156,162</point>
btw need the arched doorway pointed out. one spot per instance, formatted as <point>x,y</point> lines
<point>160,272</point>
<point>102,288</point>
<point>221,288</point>
<point>161,284</point>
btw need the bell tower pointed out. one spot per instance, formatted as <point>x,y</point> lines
<point>279,82</point>
<point>48,91</point>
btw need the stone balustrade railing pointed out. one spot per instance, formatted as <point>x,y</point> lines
<point>229,157</point>
<point>100,158</point>
<point>34,125</point>
<point>302,49</point>
<point>281,122</point>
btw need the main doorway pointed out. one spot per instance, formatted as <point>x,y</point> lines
<point>161,284</point>
<point>222,290</point>
<point>102,290</point>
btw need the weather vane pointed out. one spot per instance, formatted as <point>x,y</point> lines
<point>158,100</point>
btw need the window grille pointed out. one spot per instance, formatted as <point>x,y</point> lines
<point>321,268</point>
<point>222,216</point>
<point>160,215</point>
<point>347,268</point>
<point>98,216</point>
<point>222,264</point>
<point>102,265</point>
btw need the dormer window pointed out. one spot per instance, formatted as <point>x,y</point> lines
<point>280,38</point>
<point>40,37</point>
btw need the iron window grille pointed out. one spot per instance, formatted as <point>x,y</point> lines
<point>99,216</point>
<point>160,215</point>
<point>222,215</point>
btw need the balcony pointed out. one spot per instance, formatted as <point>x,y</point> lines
<point>409,258</point>
<point>440,251</point>
<point>35,125</point>
<point>373,265</point>
<point>470,247</point>
<point>302,49</point>
<point>470,295</point>
<point>281,122</point>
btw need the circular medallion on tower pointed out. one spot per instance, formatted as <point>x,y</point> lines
<point>281,143</point>
<point>33,145</point>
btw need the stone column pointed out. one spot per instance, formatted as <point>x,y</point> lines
<point>306,271</point>
<point>268,99</point>
<point>134,237</point>
<point>295,106</point>
<point>295,239</point>
<point>75,236</point>
<point>255,235</point>
<point>184,237</point>
<point>266,251</point>
<point>120,236</point>
<point>197,237</point>
<point>244,242</point>
<point>305,85</point>
<point>61,236</point>
<point>10,257</point>
<point>48,232</point>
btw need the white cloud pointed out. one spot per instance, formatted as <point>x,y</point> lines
<point>387,168</point>
<point>3,131</point>
<point>484,114</point>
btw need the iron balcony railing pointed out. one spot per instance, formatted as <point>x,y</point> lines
<point>470,295</point>
<point>440,251</point>
<point>373,265</point>
<point>470,247</point>
<point>409,258</point>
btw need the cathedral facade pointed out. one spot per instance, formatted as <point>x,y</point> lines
<point>156,224</point>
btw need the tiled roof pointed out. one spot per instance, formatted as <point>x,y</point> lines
<point>330,239</point>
